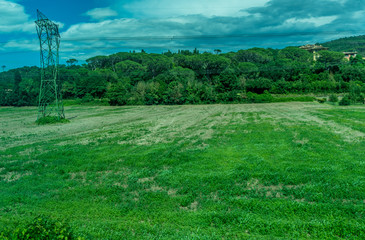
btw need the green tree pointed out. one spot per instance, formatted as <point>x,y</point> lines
<point>119,57</point>
<point>217,51</point>
<point>157,64</point>
<point>207,65</point>
<point>355,94</point>
<point>175,93</point>
<point>152,96</point>
<point>247,68</point>
<point>108,75</point>
<point>71,62</point>
<point>259,85</point>
<point>227,81</point>
<point>138,93</point>
<point>17,81</point>
<point>330,58</point>
<point>295,54</point>
<point>94,84</point>
<point>358,60</point>
<point>254,55</point>
<point>118,93</point>
<point>98,62</point>
<point>178,74</point>
<point>3,97</point>
<point>194,92</point>
<point>353,73</point>
<point>135,71</point>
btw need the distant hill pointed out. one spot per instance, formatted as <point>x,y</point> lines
<point>347,44</point>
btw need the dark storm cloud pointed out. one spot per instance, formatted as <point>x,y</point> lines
<point>277,12</point>
<point>275,24</point>
<point>284,9</point>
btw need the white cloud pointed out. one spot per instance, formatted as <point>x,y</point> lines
<point>317,22</point>
<point>101,13</point>
<point>29,45</point>
<point>359,15</point>
<point>209,8</point>
<point>14,18</point>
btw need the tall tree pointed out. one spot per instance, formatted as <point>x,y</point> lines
<point>17,81</point>
<point>330,58</point>
<point>217,51</point>
<point>296,54</point>
<point>71,61</point>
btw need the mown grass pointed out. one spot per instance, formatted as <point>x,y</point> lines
<point>265,171</point>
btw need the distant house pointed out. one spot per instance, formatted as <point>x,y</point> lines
<point>348,55</point>
<point>314,49</point>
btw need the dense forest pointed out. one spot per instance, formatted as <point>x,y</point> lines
<point>191,77</point>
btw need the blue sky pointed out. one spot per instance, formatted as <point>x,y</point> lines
<point>96,27</point>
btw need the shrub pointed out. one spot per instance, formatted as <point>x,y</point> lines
<point>259,85</point>
<point>345,101</point>
<point>41,228</point>
<point>333,98</point>
<point>87,98</point>
<point>295,99</point>
<point>321,100</point>
<point>266,97</point>
<point>355,92</point>
<point>51,120</point>
<point>174,93</point>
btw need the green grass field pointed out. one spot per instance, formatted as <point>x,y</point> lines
<point>259,171</point>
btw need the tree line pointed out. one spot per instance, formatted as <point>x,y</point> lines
<point>191,77</point>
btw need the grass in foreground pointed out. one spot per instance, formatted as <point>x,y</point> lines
<point>288,170</point>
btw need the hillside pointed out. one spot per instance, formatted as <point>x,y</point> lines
<point>348,44</point>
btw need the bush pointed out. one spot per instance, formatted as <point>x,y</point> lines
<point>266,97</point>
<point>345,101</point>
<point>51,120</point>
<point>87,98</point>
<point>295,99</point>
<point>355,94</point>
<point>174,94</point>
<point>259,85</point>
<point>41,228</point>
<point>118,93</point>
<point>321,100</point>
<point>333,98</point>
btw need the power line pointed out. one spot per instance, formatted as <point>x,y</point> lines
<point>194,37</point>
<point>180,38</point>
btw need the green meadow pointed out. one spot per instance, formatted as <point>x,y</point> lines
<point>254,171</point>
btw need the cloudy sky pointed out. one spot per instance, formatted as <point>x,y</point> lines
<point>101,27</point>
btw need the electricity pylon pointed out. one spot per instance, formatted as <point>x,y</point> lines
<point>50,99</point>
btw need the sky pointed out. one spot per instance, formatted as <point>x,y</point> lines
<point>102,27</point>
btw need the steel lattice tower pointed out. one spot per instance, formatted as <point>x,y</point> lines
<point>50,100</point>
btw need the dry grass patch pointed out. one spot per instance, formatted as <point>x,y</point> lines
<point>155,188</point>
<point>144,180</point>
<point>193,207</point>
<point>14,176</point>
<point>172,192</point>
